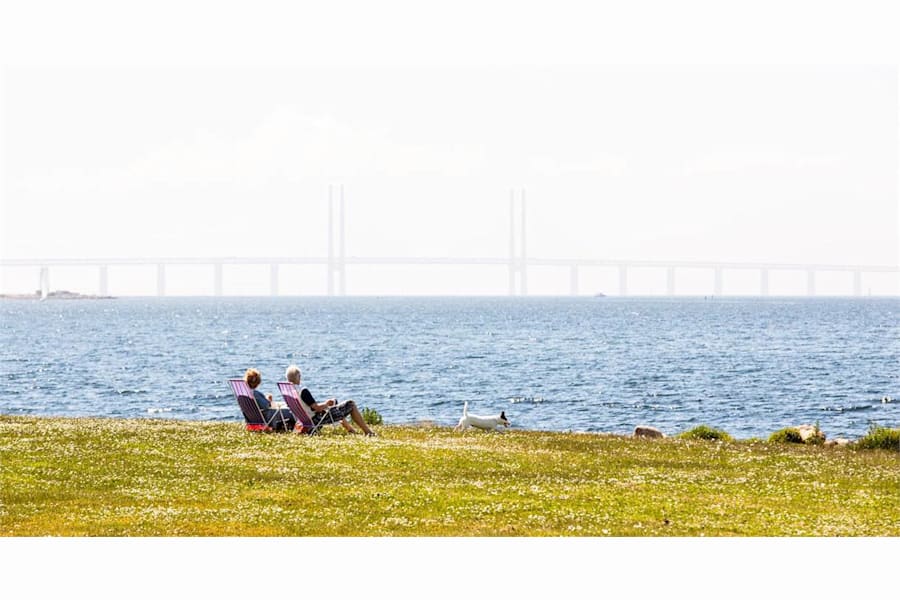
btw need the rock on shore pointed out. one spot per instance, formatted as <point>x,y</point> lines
<point>808,432</point>
<point>645,431</point>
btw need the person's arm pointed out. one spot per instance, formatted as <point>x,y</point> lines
<point>261,400</point>
<point>307,397</point>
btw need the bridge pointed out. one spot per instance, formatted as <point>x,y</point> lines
<point>517,263</point>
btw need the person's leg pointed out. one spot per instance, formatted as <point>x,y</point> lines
<point>346,426</point>
<point>342,410</point>
<point>358,418</point>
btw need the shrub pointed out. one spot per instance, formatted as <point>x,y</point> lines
<point>818,438</point>
<point>880,437</point>
<point>787,435</point>
<point>703,432</point>
<point>371,416</point>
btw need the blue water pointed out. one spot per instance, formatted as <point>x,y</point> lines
<point>749,366</point>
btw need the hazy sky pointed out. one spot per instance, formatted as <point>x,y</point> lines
<point>206,128</point>
<point>736,162</point>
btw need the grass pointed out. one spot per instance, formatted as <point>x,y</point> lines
<point>788,435</point>
<point>704,432</point>
<point>371,416</point>
<point>142,477</point>
<point>880,437</point>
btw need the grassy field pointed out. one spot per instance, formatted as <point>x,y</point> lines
<point>110,477</point>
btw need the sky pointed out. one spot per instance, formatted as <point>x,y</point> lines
<point>694,130</point>
<point>785,164</point>
<point>735,161</point>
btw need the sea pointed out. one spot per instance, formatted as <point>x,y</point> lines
<point>749,366</point>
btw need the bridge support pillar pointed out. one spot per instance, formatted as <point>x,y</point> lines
<point>623,280</point>
<point>523,270</point>
<point>44,281</point>
<point>337,279</point>
<point>104,280</point>
<point>670,281</point>
<point>217,279</point>
<point>160,279</point>
<point>763,282</point>
<point>512,243</point>
<point>717,283</point>
<point>341,283</point>
<point>330,267</point>
<point>810,282</point>
<point>857,283</point>
<point>523,279</point>
<point>342,272</point>
<point>573,280</point>
<point>273,279</point>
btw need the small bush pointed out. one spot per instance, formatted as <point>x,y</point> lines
<point>818,438</point>
<point>371,416</point>
<point>787,435</point>
<point>880,438</point>
<point>703,432</point>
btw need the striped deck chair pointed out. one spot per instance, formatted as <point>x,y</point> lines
<point>254,417</point>
<point>292,399</point>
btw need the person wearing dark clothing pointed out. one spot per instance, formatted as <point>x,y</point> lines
<point>329,411</point>
<point>280,419</point>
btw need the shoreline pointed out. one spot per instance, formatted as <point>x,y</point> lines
<point>805,434</point>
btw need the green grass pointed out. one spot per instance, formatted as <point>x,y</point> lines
<point>111,477</point>
<point>788,435</point>
<point>882,438</point>
<point>704,432</point>
<point>371,416</point>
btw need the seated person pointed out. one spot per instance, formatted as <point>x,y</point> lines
<point>279,419</point>
<point>329,411</point>
<point>293,375</point>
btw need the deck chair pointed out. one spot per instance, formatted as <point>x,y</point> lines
<point>254,417</point>
<point>304,422</point>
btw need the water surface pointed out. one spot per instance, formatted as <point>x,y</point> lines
<point>747,365</point>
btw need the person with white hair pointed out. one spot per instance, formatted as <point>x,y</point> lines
<point>329,410</point>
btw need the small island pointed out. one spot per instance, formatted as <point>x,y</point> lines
<point>56,295</point>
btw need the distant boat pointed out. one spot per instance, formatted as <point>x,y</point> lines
<point>599,295</point>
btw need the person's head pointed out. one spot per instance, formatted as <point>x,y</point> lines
<point>253,378</point>
<point>293,374</point>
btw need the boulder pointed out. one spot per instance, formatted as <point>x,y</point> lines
<point>645,431</point>
<point>808,432</point>
<point>838,442</point>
